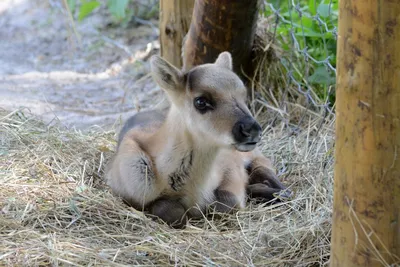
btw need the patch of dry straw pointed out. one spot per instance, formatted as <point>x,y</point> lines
<point>56,210</point>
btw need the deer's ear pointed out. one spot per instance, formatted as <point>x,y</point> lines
<point>224,60</point>
<point>166,75</point>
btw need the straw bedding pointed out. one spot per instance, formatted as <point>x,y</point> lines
<point>56,210</point>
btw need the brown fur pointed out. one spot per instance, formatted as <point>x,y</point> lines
<point>177,162</point>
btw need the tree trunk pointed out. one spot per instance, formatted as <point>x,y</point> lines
<point>175,17</point>
<point>366,212</point>
<point>221,25</point>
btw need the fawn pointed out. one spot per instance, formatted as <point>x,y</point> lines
<point>198,153</point>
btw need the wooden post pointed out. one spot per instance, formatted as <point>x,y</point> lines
<point>366,212</point>
<point>175,17</point>
<point>221,25</point>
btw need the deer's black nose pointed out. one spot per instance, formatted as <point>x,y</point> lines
<point>247,131</point>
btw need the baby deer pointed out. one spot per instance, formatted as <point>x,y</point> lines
<point>199,153</point>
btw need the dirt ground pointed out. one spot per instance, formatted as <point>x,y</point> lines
<point>94,77</point>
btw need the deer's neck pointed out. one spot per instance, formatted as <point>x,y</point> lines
<point>180,155</point>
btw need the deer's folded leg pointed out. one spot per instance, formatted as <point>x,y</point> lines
<point>169,210</point>
<point>263,181</point>
<point>262,191</point>
<point>225,201</point>
<point>131,176</point>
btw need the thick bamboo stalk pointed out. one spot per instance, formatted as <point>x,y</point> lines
<point>366,212</point>
<point>221,25</point>
<point>175,17</point>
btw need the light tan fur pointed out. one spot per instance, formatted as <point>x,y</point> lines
<point>183,158</point>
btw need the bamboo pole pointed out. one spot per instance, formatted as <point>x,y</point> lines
<point>366,211</point>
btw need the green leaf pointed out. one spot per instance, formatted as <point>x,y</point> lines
<point>323,10</point>
<point>307,22</point>
<point>275,3</point>
<point>118,8</point>
<point>312,6</point>
<point>321,76</point>
<point>71,5</point>
<point>308,33</point>
<point>313,34</point>
<point>86,8</point>
<point>335,5</point>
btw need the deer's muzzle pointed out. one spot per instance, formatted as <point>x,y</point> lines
<point>246,133</point>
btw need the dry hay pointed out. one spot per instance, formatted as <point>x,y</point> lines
<point>56,210</point>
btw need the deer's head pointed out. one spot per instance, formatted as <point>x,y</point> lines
<point>212,101</point>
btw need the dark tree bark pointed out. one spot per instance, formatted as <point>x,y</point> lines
<point>221,25</point>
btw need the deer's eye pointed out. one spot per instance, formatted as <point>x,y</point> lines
<point>202,104</point>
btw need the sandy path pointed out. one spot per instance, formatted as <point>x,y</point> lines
<point>92,82</point>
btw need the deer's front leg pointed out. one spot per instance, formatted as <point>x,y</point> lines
<point>231,193</point>
<point>263,182</point>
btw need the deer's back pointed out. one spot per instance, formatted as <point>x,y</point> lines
<point>148,121</point>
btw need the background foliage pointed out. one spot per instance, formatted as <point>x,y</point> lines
<point>307,30</point>
<point>122,11</point>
